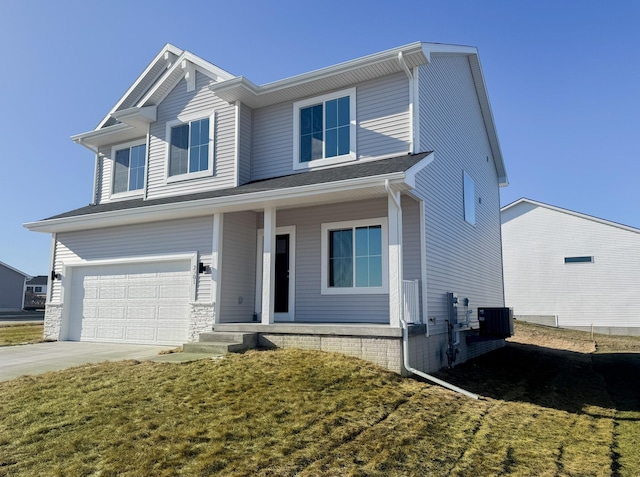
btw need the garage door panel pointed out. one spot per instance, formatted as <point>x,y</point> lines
<point>135,303</point>
<point>143,292</point>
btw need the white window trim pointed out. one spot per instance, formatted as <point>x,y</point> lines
<point>325,289</point>
<point>183,119</point>
<point>112,175</point>
<point>298,105</point>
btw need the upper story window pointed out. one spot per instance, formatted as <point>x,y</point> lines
<point>324,129</point>
<point>190,147</point>
<point>354,257</point>
<point>128,168</point>
<point>469,192</point>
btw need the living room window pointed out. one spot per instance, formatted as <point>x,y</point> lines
<point>190,148</point>
<point>324,129</point>
<point>128,168</point>
<point>354,257</point>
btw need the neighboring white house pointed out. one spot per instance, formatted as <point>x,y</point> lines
<point>331,210</point>
<point>36,292</point>
<point>12,288</point>
<point>569,269</point>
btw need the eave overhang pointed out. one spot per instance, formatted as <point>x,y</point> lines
<point>319,81</point>
<point>290,197</point>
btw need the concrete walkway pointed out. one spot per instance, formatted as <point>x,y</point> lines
<point>38,358</point>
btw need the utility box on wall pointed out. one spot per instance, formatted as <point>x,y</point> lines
<point>495,322</point>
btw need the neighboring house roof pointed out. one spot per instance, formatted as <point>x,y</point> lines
<point>355,181</point>
<point>27,276</point>
<point>524,201</point>
<point>38,280</point>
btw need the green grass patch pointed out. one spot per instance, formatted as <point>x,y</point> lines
<point>308,413</point>
<point>21,334</point>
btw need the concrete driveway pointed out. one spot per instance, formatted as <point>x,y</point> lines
<point>41,357</point>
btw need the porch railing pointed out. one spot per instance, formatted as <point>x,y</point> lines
<point>411,298</point>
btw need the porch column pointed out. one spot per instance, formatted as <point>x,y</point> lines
<point>268,265</point>
<point>396,306</point>
<point>216,265</point>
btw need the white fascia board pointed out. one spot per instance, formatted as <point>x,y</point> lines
<point>330,71</point>
<point>168,48</point>
<point>202,207</point>
<point>410,174</point>
<point>429,48</point>
<point>571,212</point>
<point>136,116</point>
<point>117,133</point>
<point>203,66</point>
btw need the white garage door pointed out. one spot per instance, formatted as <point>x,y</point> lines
<point>134,303</point>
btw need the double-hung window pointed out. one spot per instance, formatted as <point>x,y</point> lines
<point>190,151</point>
<point>324,130</point>
<point>354,257</point>
<point>128,168</point>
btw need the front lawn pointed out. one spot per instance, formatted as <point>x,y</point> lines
<point>290,412</point>
<point>11,334</point>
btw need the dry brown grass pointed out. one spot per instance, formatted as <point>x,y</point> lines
<point>11,334</point>
<point>290,412</point>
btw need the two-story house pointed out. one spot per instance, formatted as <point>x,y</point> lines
<point>334,210</point>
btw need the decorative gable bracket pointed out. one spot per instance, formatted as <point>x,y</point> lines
<point>189,75</point>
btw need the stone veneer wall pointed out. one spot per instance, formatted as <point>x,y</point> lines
<point>385,352</point>
<point>52,321</point>
<point>200,319</point>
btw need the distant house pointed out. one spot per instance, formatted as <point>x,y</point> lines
<point>12,288</point>
<point>342,209</point>
<point>569,269</point>
<point>36,293</point>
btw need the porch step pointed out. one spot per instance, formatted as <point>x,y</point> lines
<point>222,342</point>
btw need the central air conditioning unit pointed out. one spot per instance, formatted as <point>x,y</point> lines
<point>495,322</point>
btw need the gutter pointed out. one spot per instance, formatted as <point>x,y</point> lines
<point>188,208</point>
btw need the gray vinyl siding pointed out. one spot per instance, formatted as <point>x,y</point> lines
<point>412,258</point>
<point>237,300</point>
<point>159,238</point>
<point>311,305</point>
<point>244,146</point>
<point>11,289</point>
<point>272,141</point>
<point>180,102</point>
<point>382,116</point>
<point>460,257</point>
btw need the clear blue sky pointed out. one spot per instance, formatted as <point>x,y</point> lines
<point>563,79</point>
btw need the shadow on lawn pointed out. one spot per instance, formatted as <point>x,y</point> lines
<point>563,380</point>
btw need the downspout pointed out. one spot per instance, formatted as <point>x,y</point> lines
<point>405,330</point>
<point>407,71</point>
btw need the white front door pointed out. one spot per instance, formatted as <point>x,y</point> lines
<point>283,301</point>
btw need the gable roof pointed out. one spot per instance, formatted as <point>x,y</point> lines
<point>27,276</point>
<point>127,118</point>
<point>363,69</point>
<point>355,181</point>
<point>137,107</point>
<point>524,201</point>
